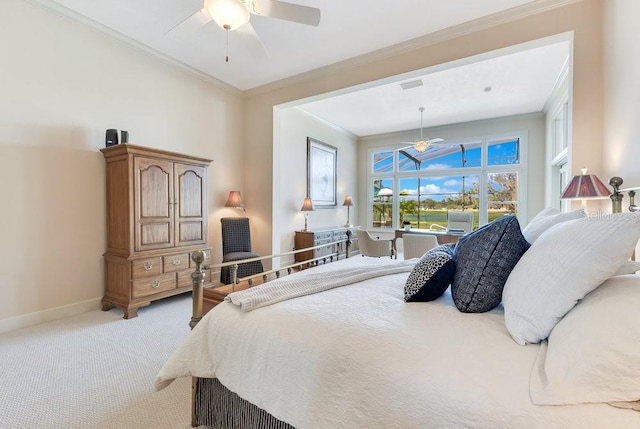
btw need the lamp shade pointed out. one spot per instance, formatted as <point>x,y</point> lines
<point>235,200</point>
<point>585,186</point>
<point>307,205</point>
<point>348,201</point>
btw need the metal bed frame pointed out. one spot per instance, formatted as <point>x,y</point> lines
<point>212,404</point>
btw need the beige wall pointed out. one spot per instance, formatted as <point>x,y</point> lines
<point>582,18</point>
<point>61,86</point>
<point>621,138</point>
<point>290,175</point>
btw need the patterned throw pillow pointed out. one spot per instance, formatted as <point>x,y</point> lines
<point>484,259</point>
<point>431,276</point>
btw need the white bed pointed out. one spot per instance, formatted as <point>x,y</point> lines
<point>359,356</point>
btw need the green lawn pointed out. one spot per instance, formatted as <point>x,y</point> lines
<point>439,217</point>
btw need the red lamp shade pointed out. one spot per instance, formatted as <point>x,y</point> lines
<point>585,186</point>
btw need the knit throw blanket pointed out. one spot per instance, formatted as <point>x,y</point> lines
<point>314,280</point>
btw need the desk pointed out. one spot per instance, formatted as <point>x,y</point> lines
<point>442,236</point>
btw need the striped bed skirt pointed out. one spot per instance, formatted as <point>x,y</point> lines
<point>218,407</point>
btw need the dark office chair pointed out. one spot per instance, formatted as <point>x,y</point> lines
<point>236,246</point>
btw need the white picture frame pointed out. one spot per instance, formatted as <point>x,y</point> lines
<point>322,167</point>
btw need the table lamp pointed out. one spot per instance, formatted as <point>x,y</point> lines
<point>348,201</point>
<point>307,206</point>
<point>585,187</point>
<point>235,200</point>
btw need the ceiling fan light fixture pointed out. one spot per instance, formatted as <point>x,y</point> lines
<point>228,14</point>
<point>421,145</point>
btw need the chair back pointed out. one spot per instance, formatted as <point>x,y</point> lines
<point>416,245</point>
<point>460,220</point>
<point>235,235</point>
<point>370,246</point>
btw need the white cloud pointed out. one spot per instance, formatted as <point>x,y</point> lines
<point>437,166</point>
<point>430,189</point>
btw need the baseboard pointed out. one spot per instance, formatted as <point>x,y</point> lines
<point>38,317</point>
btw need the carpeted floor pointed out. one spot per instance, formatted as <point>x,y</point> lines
<point>96,370</point>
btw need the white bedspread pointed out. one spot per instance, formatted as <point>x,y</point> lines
<point>359,356</point>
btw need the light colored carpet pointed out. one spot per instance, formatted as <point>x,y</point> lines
<point>96,370</point>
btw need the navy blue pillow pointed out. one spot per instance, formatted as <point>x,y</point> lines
<point>484,259</point>
<point>431,275</point>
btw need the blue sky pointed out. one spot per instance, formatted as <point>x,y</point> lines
<point>439,188</point>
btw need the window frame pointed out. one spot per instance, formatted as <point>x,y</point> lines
<point>482,172</point>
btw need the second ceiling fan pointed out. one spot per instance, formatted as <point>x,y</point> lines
<point>421,144</point>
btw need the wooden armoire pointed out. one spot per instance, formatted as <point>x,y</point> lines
<point>156,217</point>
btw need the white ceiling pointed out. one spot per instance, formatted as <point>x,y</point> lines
<point>348,28</point>
<point>503,85</point>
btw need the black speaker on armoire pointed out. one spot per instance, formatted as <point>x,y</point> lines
<point>111,138</point>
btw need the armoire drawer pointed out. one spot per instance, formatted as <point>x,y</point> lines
<point>177,262</point>
<point>207,258</point>
<point>153,285</point>
<point>146,267</point>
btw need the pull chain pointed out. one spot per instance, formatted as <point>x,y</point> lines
<point>227,28</point>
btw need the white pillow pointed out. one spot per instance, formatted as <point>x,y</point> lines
<point>564,264</point>
<point>628,267</point>
<point>593,354</point>
<point>545,219</point>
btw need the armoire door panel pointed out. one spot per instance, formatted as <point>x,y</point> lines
<point>154,203</point>
<point>155,235</point>
<point>191,223</point>
<point>190,232</point>
<point>190,191</point>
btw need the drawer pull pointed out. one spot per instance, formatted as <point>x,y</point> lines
<point>155,284</point>
<point>147,266</point>
<point>176,262</point>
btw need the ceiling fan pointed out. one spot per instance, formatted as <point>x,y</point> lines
<point>421,144</point>
<point>236,14</point>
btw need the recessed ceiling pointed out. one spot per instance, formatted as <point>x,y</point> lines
<point>504,85</point>
<point>348,28</point>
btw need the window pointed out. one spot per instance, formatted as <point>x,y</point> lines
<point>481,175</point>
<point>382,205</point>
<point>558,133</point>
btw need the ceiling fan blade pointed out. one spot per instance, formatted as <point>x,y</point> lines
<point>286,11</point>
<point>434,141</point>
<point>247,34</point>
<point>189,25</point>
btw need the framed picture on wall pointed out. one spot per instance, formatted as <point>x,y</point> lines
<point>322,168</point>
